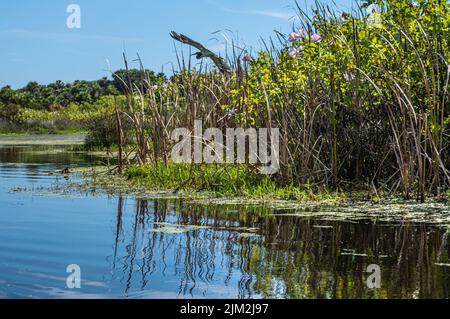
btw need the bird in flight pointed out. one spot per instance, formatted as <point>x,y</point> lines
<point>203,52</point>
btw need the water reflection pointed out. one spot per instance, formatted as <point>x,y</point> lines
<point>156,248</point>
<point>203,250</point>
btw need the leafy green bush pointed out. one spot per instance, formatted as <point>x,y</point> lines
<point>101,122</point>
<point>9,111</point>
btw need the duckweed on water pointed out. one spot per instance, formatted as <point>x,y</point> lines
<point>103,181</point>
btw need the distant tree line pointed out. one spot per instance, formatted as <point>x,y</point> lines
<point>59,95</point>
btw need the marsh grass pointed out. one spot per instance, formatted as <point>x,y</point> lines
<point>224,180</point>
<point>367,105</point>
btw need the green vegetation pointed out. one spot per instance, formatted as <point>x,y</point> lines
<point>59,95</point>
<point>61,107</point>
<point>222,180</point>
<point>46,131</point>
<point>361,100</point>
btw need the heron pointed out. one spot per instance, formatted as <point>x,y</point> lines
<point>199,55</point>
<point>203,52</point>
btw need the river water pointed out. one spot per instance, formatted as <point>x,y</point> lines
<point>129,247</point>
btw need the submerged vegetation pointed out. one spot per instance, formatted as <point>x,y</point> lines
<point>361,100</point>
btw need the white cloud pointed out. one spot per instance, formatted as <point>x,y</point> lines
<point>273,14</point>
<point>284,15</point>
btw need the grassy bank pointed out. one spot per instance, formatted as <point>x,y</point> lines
<point>96,120</point>
<point>50,140</point>
<point>224,181</point>
<point>244,181</point>
<point>44,132</point>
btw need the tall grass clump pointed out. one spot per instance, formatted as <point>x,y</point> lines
<point>223,179</point>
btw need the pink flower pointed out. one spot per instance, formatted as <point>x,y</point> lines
<point>293,52</point>
<point>315,38</point>
<point>293,37</point>
<point>246,57</point>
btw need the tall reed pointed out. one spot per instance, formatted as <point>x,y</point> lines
<point>360,99</point>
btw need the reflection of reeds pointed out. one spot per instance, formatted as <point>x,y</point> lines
<point>286,257</point>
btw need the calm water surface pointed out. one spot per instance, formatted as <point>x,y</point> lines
<point>144,248</point>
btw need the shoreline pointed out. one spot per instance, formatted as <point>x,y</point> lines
<point>43,139</point>
<point>351,208</point>
<point>103,180</point>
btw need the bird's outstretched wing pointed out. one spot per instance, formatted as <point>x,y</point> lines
<point>218,61</point>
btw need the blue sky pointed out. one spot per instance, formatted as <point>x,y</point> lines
<point>38,46</point>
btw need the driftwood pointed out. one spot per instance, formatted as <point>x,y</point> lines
<point>204,52</point>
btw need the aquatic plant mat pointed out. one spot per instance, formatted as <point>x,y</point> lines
<point>101,181</point>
